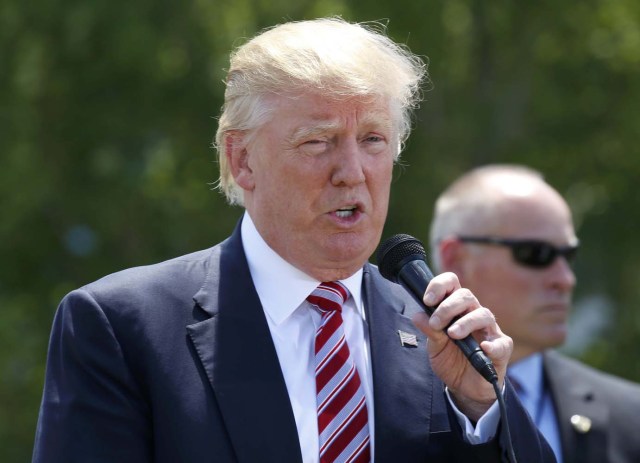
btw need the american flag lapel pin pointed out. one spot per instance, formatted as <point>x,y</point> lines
<point>407,339</point>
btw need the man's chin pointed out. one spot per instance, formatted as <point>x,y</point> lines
<point>556,338</point>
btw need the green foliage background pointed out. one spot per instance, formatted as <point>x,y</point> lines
<point>107,111</point>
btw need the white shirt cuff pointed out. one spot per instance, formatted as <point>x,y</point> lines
<point>485,428</point>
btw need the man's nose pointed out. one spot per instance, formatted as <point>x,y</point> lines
<point>349,169</point>
<point>561,274</point>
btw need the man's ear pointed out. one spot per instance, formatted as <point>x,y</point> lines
<point>238,159</point>
<point>452,256</point>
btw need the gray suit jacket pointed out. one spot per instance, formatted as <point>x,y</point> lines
<point>607,411</point>
<point>174,362</point>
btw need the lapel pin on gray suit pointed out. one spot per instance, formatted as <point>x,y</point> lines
<point>581,424</point>
<point>407,339</point>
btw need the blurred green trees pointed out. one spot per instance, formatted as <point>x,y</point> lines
<point>107,111</point>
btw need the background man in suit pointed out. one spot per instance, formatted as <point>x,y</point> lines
<point>509,237</point>
<point>225,354</point>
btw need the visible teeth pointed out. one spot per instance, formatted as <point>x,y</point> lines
<point>345,212</point>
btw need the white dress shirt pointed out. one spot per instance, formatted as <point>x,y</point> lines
<point>536,398</point>
<point>283,290</point>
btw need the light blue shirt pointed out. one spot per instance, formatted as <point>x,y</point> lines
<point>536,398</point>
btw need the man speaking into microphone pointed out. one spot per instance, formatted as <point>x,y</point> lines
<point>510,238</point>
<point>282,344</point>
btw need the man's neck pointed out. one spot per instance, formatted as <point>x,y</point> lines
<point>522,353</point>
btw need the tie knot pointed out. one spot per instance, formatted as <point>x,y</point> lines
<point>329,296</point>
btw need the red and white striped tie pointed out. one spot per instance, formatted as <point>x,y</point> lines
<point>342,410</point>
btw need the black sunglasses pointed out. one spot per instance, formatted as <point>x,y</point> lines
<point>530,253</point>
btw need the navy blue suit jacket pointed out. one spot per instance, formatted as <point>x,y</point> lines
<point>174,362</point>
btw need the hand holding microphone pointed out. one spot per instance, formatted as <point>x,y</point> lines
<point>401,259</point>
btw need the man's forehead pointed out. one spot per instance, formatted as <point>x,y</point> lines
<point>320,108</point>
<point>362,117</point>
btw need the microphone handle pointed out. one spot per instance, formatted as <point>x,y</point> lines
<point>415,276</point>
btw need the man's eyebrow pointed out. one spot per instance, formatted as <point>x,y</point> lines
<point>376,121</point>
<point>311,130</point>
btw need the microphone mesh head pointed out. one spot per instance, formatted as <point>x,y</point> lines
<point>393,251</point>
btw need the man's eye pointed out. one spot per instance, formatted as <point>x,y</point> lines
<point>315,146</point>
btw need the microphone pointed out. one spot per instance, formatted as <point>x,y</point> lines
<point>401,259</point>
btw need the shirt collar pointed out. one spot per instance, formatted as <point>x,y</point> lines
<point>528,373</point>
<point>282,288</point>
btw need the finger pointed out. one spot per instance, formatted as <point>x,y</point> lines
<point>421,321</point>
<point>478,320</point>
<point>498,349</point>
<point>455,305</point>
<point>440,287</point>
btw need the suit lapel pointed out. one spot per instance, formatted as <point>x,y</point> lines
<point>575,398</point>
<point>402,380</point>
<point>237,353</point>
<point>240,360</point>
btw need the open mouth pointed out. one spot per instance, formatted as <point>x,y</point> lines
<point>347,211</point>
